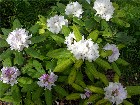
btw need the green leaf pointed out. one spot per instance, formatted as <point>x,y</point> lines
<point>60,90</point>
<point>6,54</point>
<point>16,93</point>
<point>116,78</point>
<point>105,53</point>
<point>73,96</point>
<point>18,58</point>
<point>104,24</point>
<point>3,43</point>
<point>78,21</point>
<point>116,69</point>
<point>25,80</point>
<point>120,22</point>
<point>94,35</point>
<point>65,30</point>
<point>102,101</point>
<point>77,33</point>
<point>48,97</point>
<point>38,39</point>
<point>3,88</point>
<point>38,66</point>
<point>133,90</point>
<point>16,24</point>
<point>77,87</point>
<point>34,29</point>
<point>59,40</point>
<point>63,65</point>
<point>96,89</point>
<point>59,53</point>
<point>33,53</point>
<point>42,19</point>
<point>80,82</point>
<point>104,64</point>
<point>122,62</point>
<point>89,74</point>
<point>127,102</point>
<point>6,31</point>
<point>89,23</point>
<point>37,94</point>
<point>61,7</point>
<point>72,76</point>
<point>7,99</point>
<point>7,62</point>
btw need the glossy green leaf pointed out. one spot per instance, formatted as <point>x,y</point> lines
<point>122,62</point>
<point>25,80</point>
<point>73,96</point>
<point>72,76</point>
<point>7,62</point>
<point>38,39</point>
<point>77,33</point>
<point>78,21</point>
<point>65,30</point>
<point>94,35</point>
<point>105,53</point>
<point>133,90</point>
<point>48,97</point>
<point>59,53</point>
<point>60,90</point>
<point>16,24</point>
<point>102,101</point>
<point>96,89</point>
<point>59,40</point>
<point>63,65</point>
<point>115,68</point>
<point>77,87</point>
<point>116,78</point>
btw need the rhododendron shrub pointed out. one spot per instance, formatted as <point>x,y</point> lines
<point>65,55</point>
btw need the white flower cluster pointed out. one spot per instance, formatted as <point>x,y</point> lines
<point>75,9</point>
<point>115,50</point>
<point>47,80</point>
<point>55,23</point>
<point>9,75</point>
<point>115,93</point>
<point>18,39</point>
<point>83,49</point>
<point>104,8</point>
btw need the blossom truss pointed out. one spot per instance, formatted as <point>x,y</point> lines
<point>75,9</point>
<point>47,80</point>
<point>115,52</point>
<point>87,94</point>
<point>55,23</point>
<point>115,93</point>
<point>18,39</point>
<point>104,9</point>
<point>83,49</point>
<point>9,75</point>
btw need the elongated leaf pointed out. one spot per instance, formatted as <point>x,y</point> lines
<point>116,78</point>
<point>33,53</point>
<point>6,31</point>
<point>16,24</point>
<point>72,76</point>
<point>96,89</point>
<point>77,33</point>
<point>94,35</point>
<point>18,58</point>
<point>5,54</point>
<point>102,101</point>
<point>78,64</point>
<point>42,19</point>
<point>116,69</point>
<point>120,22</point>
<point>34,29</point>
<point>60,90</point>
<point>77,87</point>
<point>89,74</point>
<point>59,40</point>
<point>122,62</point>
<point>133,90</point>
<point>25,80</point>
<point>65,30</point>
<point>37,94</point>
<point>78,21</point>
<point>81,83</point>
<point>38,67</point>
<point>48,97</point>
<point>105,53</point>
<point>63,65</point>
<point>127,102</point>
<point>73,96</point>
<point>7,99</point>
<point>3,88</point>
<point>3,43</point>
<point>38,39</point>
<point>103,63</point>
<point>7,62</point>
<point>59,53</point>
<point>16,93</point>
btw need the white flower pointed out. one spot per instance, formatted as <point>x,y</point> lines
<point>47,80</point>
<point>115,50</point>
<point>55,23</point>
<point>18,39</point>
<point>115,93</point>
<point>83,49</point>
<point>75,9</point>
<point>9,75</point>
<point>104,8</point>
